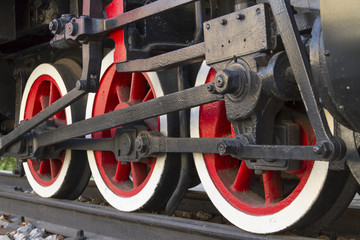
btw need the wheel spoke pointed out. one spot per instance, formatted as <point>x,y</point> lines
<point>215,126</point>
<point>60,122</point>
<point>243,178</point>
<point>138,172</point>
<point>55,166</point>
<point>149,96</point>
<point>122,172</point>
<point>152,123</point>
<point>54,93</point>
<point>44,101</point>
<point>122,93</point>
<point>272,186</point>
<point>138,88</point>
<point>44,167</point>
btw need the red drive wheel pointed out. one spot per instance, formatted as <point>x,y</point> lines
<point>66,176</point>
<point>272,201</point>
<point>129,186</point>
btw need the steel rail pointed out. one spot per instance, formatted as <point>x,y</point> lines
<point>110,223</point>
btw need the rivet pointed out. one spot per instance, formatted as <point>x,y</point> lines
<point>240,17</point>
<point>223,21</point>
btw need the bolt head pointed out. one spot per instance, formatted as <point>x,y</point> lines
<point>51,26</point>
<point>220,82</point>
<point>54,25</point>
<point>228,147</point>
<point>318,149</point>
<point>72,28</point>
<point>208,26</point>
<point>211,88</point>
<point>322,149</point>
<point>221,148</point>
<point>141,144</point>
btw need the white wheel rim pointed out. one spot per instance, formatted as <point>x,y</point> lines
<point>258,224</point>
<point>51,70</point>
<point>140,199</point>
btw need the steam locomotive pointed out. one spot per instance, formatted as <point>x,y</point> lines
<point>256,99</point>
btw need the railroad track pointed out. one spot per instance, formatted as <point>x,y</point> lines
<point>102,222</point>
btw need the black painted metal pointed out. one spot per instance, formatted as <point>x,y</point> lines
<point>7,14</point>
<point>300,64</point>
<point>352,154</point>
<point>232,36</point>
<point>183,56</point>
<point>86,25</point>
<point>186,159</point>
<point>340,58</point>
<point>231,146</point>
<point>152,144</point>
<point>301,67</point>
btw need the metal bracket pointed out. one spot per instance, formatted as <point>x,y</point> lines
<point>237,34</point>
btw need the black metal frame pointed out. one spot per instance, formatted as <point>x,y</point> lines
<point>88,30</point>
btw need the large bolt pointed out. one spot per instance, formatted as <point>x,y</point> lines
<point>125,144</point>
<point>227,147</point>
<point>72,28</point>
<point>211,88</point>
<point>56,26</point>
<point>81,85</point>
<point>231,80</point>
<point>141,144</point>
<point>322,149</point>
<point>220,81</point>
<point>52,26</point>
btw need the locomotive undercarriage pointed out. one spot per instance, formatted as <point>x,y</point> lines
<point>270,105</point>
